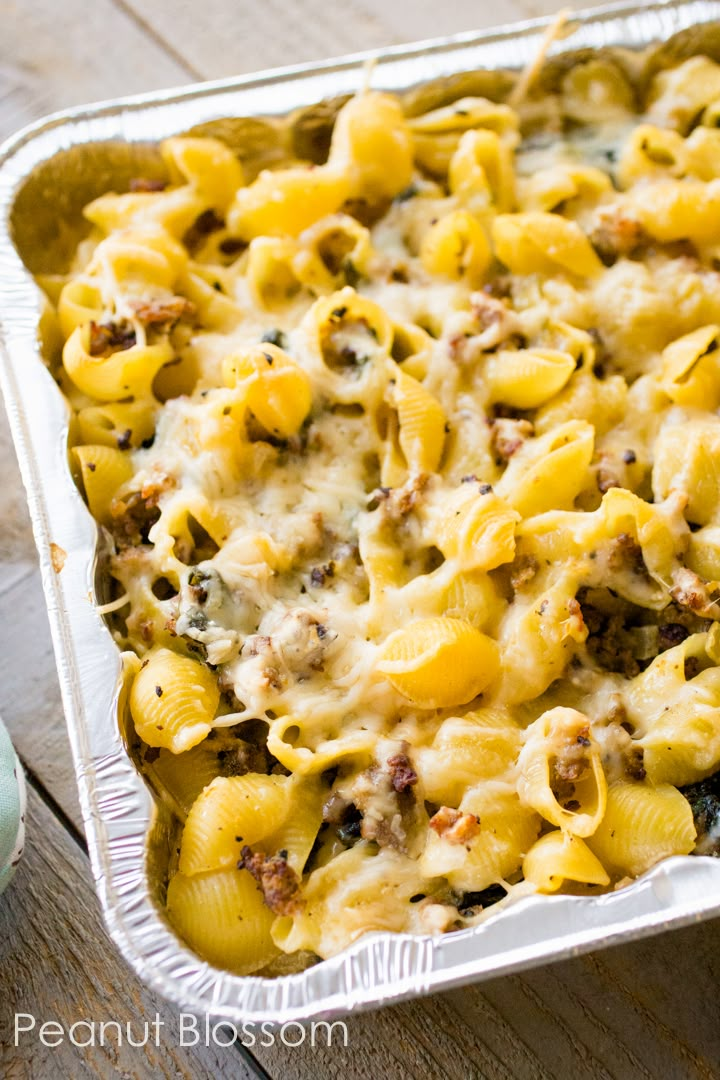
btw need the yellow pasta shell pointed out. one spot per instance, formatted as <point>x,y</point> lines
<point>682,744</point>
<point>208,164</point>
<point>482,165</point>
<point>558,857</point>
<point>122,374</point>
<point>678,94</point>
<point>546,189</point>
<point>141,256</point>
<point>273,274</point>
<point>348,313</point>
<point>180,715</point>
<point>548,473</point>
<point>507,831</point>
<point>286,202</point>
<point>215,310</point>
<point>641,826</point>
<point>651,152</point>
<point>704,553</point>
<point>298,746</point>
<point>340,243</point>
<point>299,830</point>
<point>702,153</point>
<point>439,662</point>
<point>175,211</point>
<point>80,302</point>
<point>594,91</point>
<point>372,144</point>
<point>103,470</point>
<point>230,812</point>
<point>223,918</point>
<point>130,422</point>
<point>527,378</point>
<point>687,460</point>
<point>422,424</point>
<point>473,596</point>
<point>679,210</point>
<point>543,243</point>
<point>585,397</point>
<point>468,749</point>
<point>275,387</point>
<point>180,778</point>
<point>477,529</point>
<point>553,734</point>
<point>691,369</point>
<point>456,247</point>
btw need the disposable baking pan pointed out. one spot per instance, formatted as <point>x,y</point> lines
<point>47,172</point>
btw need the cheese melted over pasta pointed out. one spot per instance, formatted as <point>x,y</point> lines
<point>410,463</point>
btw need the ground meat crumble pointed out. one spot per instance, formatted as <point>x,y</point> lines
<point>454,826</point>
<point>111,337</point>
<point>278,881</point>
<point>163,314</point>
<point>508,436</point>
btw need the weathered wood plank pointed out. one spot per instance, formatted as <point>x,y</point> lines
<point>57,963</point>
<point>53,57</point>
<point>29,692</point>
<point>276,33</point>
<point>644,1010</point>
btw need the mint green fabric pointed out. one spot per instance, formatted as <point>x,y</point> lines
<point>9,807</point>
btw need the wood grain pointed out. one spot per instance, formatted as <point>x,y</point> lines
<point>611,1015</point>
<point>57,963</point>
<point>53,56</point>
<point>276,33</point>
<point>645,1010</point>
<point>29,692</point>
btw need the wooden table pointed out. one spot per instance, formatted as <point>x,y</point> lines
<point>649,1009</point>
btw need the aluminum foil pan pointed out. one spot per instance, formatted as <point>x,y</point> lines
<point>47,172</point>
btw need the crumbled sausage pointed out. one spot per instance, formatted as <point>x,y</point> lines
<point>134,514</point>
<point>496,319</point>
<point>454,826</point>
<point>508,436</point>
<point>523,570</point>
<point>385,797</point>
<point>571,762</point>
<point>402,774</point>
<point>607,641</point>
<point>626,554</point>
<point>622,757</point>
<point>163,314</point>
<point>397,503</point>
<point>617,235</point>
<point>277,880</point>
<point>111,337</point>
<point>690,591</point>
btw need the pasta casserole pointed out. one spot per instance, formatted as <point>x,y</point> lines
<point>408,460</point>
